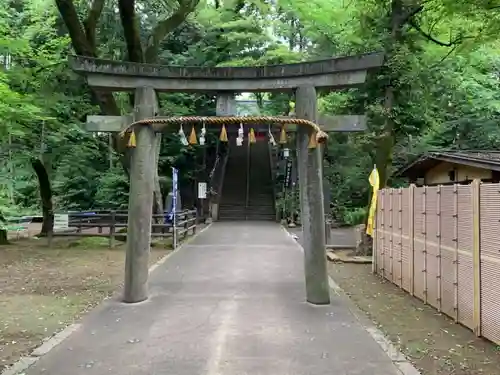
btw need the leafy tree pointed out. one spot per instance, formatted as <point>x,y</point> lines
<point>437,90</point>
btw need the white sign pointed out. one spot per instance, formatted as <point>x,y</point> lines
<point>202,190</point>
<point>61,221</point>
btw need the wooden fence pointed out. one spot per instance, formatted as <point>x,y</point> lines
<point>442,245</point>
<point>113,224</point>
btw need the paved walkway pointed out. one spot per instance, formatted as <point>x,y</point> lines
<point>231,302</point>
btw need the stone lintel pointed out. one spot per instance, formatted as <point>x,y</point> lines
<point>327,123</point>
<point>337,123</point>
<point>325,81</point>
<point>88,65</point>
<point>108,123</point>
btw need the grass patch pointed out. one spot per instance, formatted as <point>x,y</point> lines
<point>90,242</point>
<point>43,289</point>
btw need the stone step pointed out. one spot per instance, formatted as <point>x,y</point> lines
<point>234,200</point>
<point>250,208</point>
<point>248,218</point>
<point>263,217</point>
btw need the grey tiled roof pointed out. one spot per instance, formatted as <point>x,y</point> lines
<point>480,158</point>
<point>488,156</point>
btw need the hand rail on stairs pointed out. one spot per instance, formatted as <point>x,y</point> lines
<point>216,178</point>
<point>273,178</point>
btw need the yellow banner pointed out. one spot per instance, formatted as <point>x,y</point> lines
<point>375,183</point>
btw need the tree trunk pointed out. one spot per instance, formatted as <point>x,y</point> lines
<point>385,145</point>
<point>46,197</point>
<point>386,142</point>
<point>83,40</point>
<point>3,237</point>
<point>3,232</point>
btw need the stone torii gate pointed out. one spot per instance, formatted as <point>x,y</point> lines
<point>303,78</point>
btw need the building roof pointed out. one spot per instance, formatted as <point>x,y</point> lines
<point>475,158</point>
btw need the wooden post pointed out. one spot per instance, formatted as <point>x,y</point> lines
<point>247,174</point>
<point>312,210</point>
<point>375,239</point>
<point>476,255</point>
<point>383,227</point>
<point>438,235</point>
<point>391,238</point>
<point>455,253</point>
<point>411,263</point>
<point>186,225</point>
<point>140,200</point>
<point>400,243</point>
<point>112,230</point>
<point>424,214</point>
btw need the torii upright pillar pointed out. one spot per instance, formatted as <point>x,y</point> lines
<point>140,206</point>
<point>309,162</point>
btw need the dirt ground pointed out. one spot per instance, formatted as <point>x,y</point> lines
<point>43,290</point>
<point>433,342</point>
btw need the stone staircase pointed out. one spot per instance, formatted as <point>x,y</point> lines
<point>261,198</point>
<point>234,189</point>
<point>233,205</point>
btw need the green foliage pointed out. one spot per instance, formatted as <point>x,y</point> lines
<point>444,97</point>
<point>354,216</point>
<point>112,190</point>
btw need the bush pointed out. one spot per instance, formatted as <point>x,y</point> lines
<point>354,216</point>
<point>112,190</point>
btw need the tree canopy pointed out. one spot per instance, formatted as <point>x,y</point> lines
<point>438,89</point>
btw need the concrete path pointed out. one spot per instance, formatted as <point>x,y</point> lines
<point>231,302</point>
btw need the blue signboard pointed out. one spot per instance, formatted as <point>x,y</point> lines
<point>174,204</point>
<point>173,208</point>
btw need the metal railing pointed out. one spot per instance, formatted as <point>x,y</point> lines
<point>216,176</point>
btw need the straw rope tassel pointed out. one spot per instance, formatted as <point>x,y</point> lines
<point>202,135</point>
<point>272,141</point>
<point>313,142</point>
<point>192,137</point>
<point>283,138</point>
<point>223,134</point>
<point>131,140</point>
<point>182,136</point>
<point>251,136</point>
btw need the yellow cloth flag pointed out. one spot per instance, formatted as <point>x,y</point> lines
<point>375,183</point>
